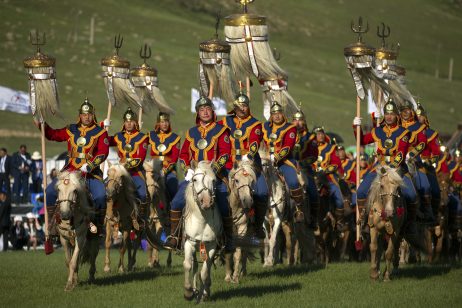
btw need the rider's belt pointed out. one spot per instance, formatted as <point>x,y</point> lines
<point>161,157</point>
<point>385,158</point>
<point>271,150</point>
<point>235,152</point>
<point>79,155</point>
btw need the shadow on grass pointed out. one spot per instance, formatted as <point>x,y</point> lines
<point>140,275</point>
<point>288,271</point>
<point>256,291</point>
<point>423,272</point>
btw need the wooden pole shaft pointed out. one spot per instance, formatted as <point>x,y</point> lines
<point>211,86</point>
<point>247,85</point>
<point>44,175</point>
<point>140,117</point>
<point>358,146</point>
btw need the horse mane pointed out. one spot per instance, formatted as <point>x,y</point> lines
<point>375,191</point>
<point>127,181</point>
<point>75,178</point>
<point>247,165</point>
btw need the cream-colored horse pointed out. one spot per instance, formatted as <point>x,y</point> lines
<point>158,215</point>
<point>386,217</point>
<point>73,214</point>
<point>278,202</point>
<point>203,227</point>
<point>241,180</point>
<point>121,214</point>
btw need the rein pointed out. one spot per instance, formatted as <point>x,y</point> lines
<point>204,188</point>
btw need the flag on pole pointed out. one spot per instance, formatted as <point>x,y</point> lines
<point>220,105</point>
<point>14,101</point>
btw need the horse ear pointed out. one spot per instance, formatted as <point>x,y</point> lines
<point>193,164</point>
<point>383,170</point>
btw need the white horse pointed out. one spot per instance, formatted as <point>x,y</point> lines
<point>158,216</point>
<point>203,226</point>
<point>278,201</point>
<point>241,180</point>
<point>73,214</point>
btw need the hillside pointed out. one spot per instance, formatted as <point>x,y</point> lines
<point>309,34</point>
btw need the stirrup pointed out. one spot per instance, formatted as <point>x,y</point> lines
<point>173,247</point>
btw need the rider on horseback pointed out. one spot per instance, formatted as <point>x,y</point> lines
<point>88,147</point>
<point>417,143</point>
<point>165,146</point>
<point>246,136</point>
<point>330,165</point>
<point>305,152</point>
<point>429,157</point>
<point>131,149</point>
<point>392,146</point>
<point>207,140</point>
<point>280,137</point>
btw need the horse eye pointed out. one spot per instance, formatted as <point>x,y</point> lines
<point>237,181</point>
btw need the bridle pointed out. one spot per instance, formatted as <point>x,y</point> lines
<point>204,188</point>
<point>245,173</point>
<point>117,185</point>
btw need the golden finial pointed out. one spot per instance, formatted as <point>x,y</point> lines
<point>244,4</point>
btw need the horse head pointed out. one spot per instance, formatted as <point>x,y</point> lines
<point>114,180</point>
<point>203,184</point>
<point>69,186</point>
<point>241,180</point>
<point>389,182</point>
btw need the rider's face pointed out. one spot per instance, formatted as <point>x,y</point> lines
<point>422,119</point>
<point>341,154</point>
<point>390,118</point>
<point>299,124</point>
<point>86,119</point>
<point>406,114</point>
<point>205,114</point>
<point>164,125</point>
<point>242,111</point>
<point>320,137</point>
<point>129,125</point>
<point>277,117</point>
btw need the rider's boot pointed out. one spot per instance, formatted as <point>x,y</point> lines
<point>260,213</point>
<point>298,196</point>
<point>172,240</point>
<point>340,218</point>
<point>228,228</point>
<point>100,216</point>
<point>314,214</point>
<point>361,204</point>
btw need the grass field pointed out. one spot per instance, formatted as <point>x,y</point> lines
<point>309,34</point>
<point>31,279</point>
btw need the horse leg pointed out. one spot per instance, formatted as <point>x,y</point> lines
<point>66,249</point>
<point>187,266</point>
<point>228,267</point>
<point>288,234</point>
<point>237,260</point>
<point>72,278</point>
<point>428,243</point>
<point>131,251</point>
<point>107,246</point>
<point>389,258</point>
<point>439,245</point>
<point>269,260</point>
<point>94,249</point>
<point>122,249</point>
<point>344,245</point>
<point>205,275</point>
<point>373,249</point>
<point>169,259</point>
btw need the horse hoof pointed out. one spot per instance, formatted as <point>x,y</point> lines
<point>227,278</point>
<point>69,287</point>
<point>121,270</point>
<point>235,280</point>
<point>107,269</point>
<point>91,280</point>
<point>189,294</point>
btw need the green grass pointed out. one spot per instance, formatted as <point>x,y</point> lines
<point>33,279</point>
<point>309,34</point>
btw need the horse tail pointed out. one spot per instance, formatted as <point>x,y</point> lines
<point>89,248</point>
